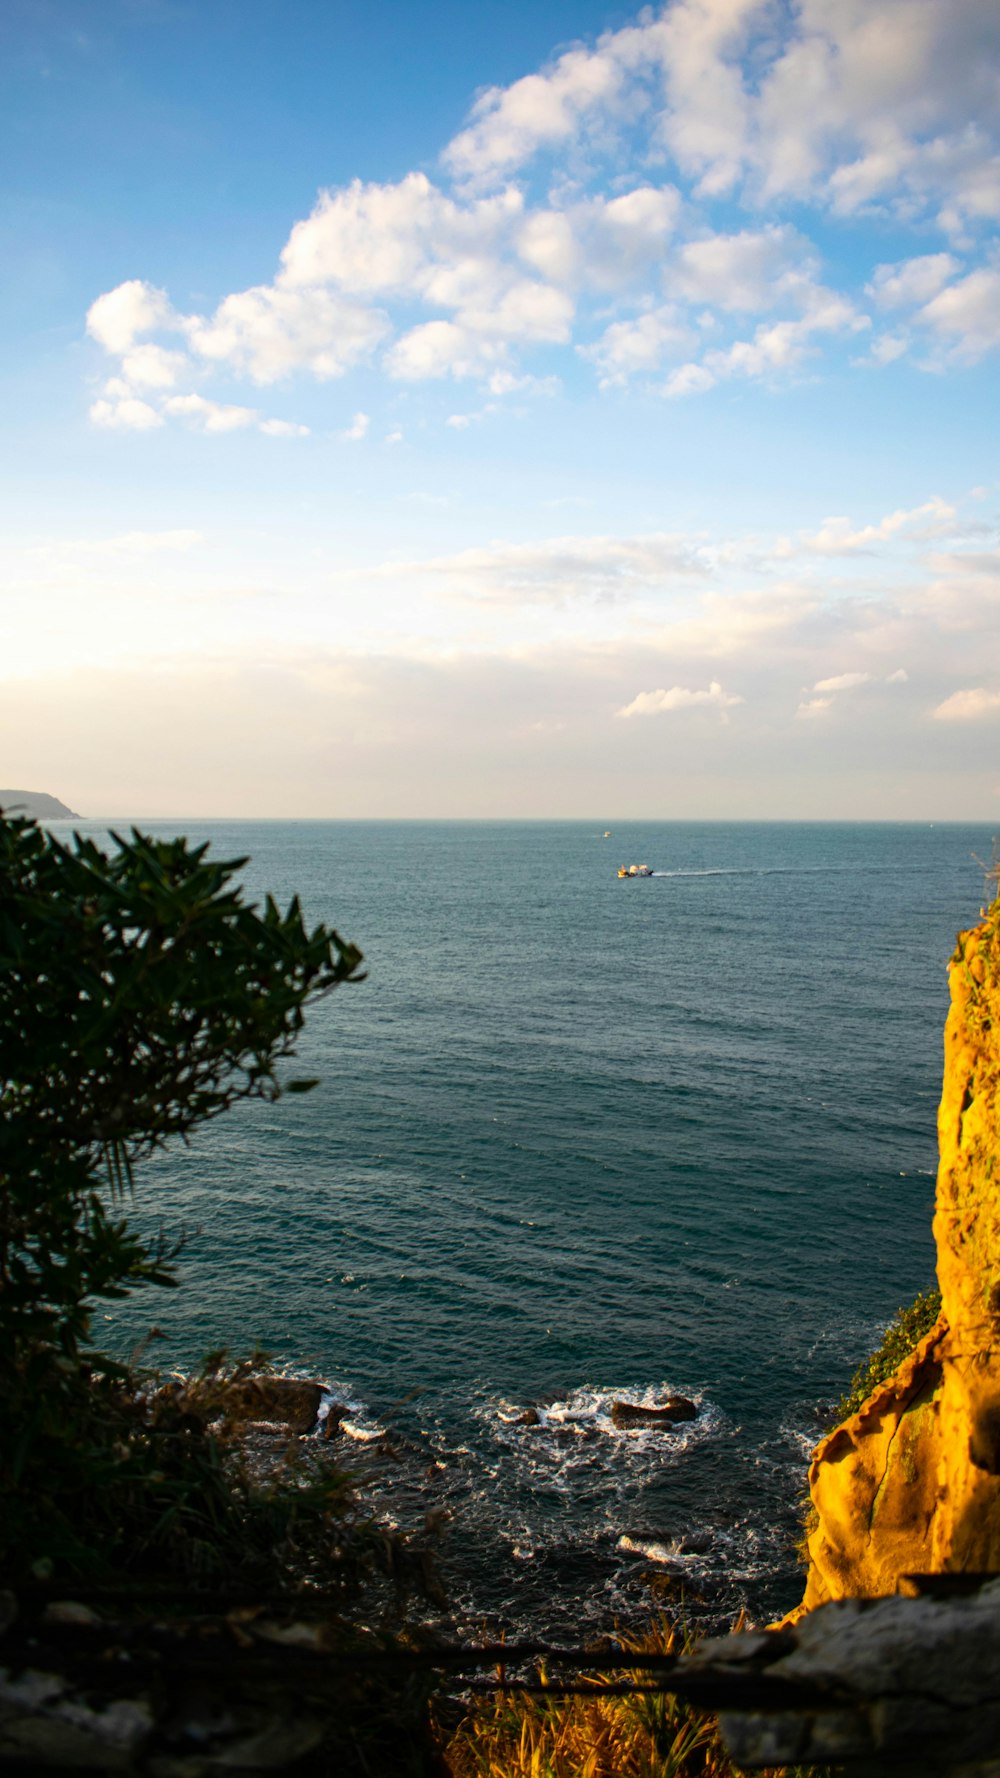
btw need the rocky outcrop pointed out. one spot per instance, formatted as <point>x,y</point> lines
<point>903,1686</point>
<point>911,1482</point>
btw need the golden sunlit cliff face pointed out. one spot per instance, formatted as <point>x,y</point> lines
<point>911,1482</point>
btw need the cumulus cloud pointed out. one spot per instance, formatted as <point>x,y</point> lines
<point>679,697</point>
<point>639,346</point>
<point>125,414</point>
<point>889,101</point>
<point>210,416</point>
<point>972,705</point>
<point>283,429</point>
<point>358,428</point>
<point>912,280</point>
<point>854,105</point>
<point>811,708</point>
<point>749,271</point>
<point>269,332</point>
<point>967,314</point>
<point>118,317</point>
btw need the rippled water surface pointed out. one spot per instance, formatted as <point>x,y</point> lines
<point>580,1139</point>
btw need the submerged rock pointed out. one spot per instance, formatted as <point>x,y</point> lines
<point>911,1482</point>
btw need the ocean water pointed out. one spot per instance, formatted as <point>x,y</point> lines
<point>576,1140</point>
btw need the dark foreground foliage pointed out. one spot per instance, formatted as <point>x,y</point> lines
<point>139,996</point>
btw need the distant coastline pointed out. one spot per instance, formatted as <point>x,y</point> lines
<point>38,804</point>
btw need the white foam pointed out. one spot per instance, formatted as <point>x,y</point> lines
<point>363,1435</point>
<point>654,1550</point>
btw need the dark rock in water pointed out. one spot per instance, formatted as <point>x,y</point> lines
<point>629,1413</point>
<point>697,1544</point>
<point>288,1402</point>
<point>530,1417</point>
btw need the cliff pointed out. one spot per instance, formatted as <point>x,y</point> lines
<point>911,1482</point>
<point>37,803</point>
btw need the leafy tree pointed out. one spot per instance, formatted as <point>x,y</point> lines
<point>140,995</point>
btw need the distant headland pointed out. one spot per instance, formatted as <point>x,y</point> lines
<point>37,803</point>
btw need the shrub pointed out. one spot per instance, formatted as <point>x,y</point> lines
<point>139,995</point>
<point>904,1332</point>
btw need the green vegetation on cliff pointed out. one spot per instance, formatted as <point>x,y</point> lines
<point>904,1332</point>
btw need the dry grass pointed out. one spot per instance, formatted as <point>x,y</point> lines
<point>597,1735</point>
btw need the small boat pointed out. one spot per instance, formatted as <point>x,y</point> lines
<point>634,870</point>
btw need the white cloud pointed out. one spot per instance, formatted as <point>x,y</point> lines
<point>283,429</point>
<point>679,697</point>
<point>885,349</point>
<point>874,105</point>
<point>509,124</point>
<point>629,348</point>
<point>842,682</point>
<point>603,242</point>
<point>479,339</point>
<point>269,332</point>
<point>210,416</point>
<point>380,240</point>
<point>968,313</point>
<point>126,414</point>
<point>358,428</point>
<point>968,706</point>
<point>118,317</point>
<point>837,536</point>
<point>688,379</point>
<point>560,569</point>
<point>811,708</point>
<point>900,677</point>
<point>749,271</point>
<point>912,280</point>
<point>851,102</point>
<point>152,367</point>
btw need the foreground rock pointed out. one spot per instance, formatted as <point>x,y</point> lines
<point>903,1685</point>
<point>911,1482</point>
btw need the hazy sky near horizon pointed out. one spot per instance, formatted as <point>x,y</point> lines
<point>501,410</point>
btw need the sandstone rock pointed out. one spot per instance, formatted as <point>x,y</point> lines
<point>629,1413</point>
<point>530,1417</point>
<point>911,1482</point>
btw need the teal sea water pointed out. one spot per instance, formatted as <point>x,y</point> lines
<point>580,1139</point>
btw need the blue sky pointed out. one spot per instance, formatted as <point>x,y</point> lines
<point>503,410</point>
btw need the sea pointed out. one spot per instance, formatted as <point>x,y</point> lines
<point>577,1141</point>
